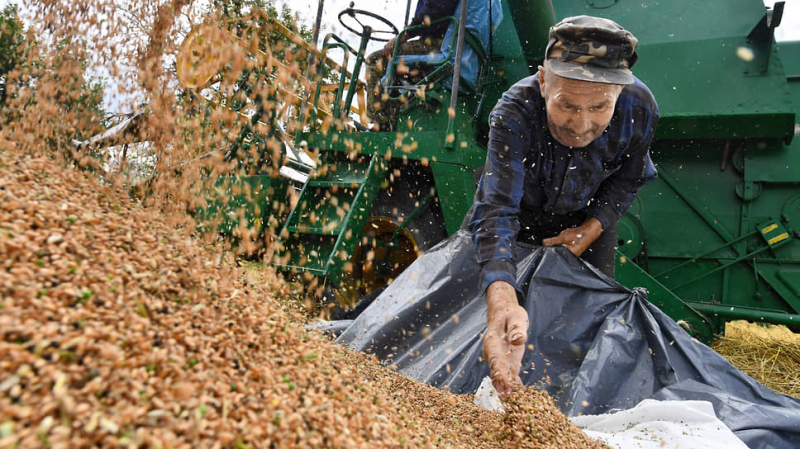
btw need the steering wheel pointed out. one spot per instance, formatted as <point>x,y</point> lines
<point>354,13</point>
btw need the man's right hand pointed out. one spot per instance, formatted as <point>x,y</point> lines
<point>506,334</point>
<point>388,49</point>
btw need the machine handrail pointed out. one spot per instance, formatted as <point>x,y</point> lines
<point>353,81</point>
<point>326,45</point>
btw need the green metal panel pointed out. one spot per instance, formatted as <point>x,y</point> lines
<point>702,91</point>
<point>235,201</point>
<point>704,227</point>
<point>532,19</point>
<point>773,163</point>
<point>688,58</point>
<point>790,55</point>
<point>628,273</point>
<point>676,20</point>
<point>455,186</point>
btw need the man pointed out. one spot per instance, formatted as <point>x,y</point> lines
<point>568,151</point>
<point>380,111</point>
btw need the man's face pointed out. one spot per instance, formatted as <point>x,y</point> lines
<point>577,111</point>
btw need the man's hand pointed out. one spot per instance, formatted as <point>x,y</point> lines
<point>388,49</point>
<point>506,335</point>
<point>577,239</point>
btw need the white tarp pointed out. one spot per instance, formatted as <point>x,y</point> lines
<point>661,424</point>
<point>651,424</point>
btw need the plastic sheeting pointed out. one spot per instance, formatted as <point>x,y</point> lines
<point>598,347</point>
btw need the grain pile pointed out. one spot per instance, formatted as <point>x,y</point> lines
<point>118,329</point>
<point>768,353</point>
<point>533,421</point>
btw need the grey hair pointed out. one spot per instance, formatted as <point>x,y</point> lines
<point>549,75</point>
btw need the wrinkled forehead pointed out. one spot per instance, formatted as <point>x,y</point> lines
<point>578,89</point>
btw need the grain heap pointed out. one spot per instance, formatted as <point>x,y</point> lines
<point>119,330</point>
<point>533,421</point>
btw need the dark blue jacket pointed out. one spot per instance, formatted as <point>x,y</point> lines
<point>529,173</point>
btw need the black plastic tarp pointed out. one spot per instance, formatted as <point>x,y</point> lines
<point>597,346</point>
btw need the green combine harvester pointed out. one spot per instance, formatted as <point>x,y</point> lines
<point>714,238</point>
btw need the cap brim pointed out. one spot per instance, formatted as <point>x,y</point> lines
<point>589,73</point>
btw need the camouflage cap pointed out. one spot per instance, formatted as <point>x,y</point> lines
<point>592,49</point>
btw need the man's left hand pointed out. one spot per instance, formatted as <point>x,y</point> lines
<point>577,239</point>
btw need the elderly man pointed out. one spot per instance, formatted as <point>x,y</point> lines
<point>568,151</point>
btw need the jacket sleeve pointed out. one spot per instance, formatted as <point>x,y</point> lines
<point>495,219</point>
<point>433,9</point>
<point>618,191</point>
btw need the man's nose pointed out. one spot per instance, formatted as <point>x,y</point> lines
<point>581,122</point>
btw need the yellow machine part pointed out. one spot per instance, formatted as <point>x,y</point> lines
<point>375,265</point>
<point>207,49</point>
<point>203,54</point>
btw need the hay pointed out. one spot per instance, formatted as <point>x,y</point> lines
<point>768,353</point>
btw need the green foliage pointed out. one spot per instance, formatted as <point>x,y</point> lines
<point>79,98</point>
<point>246,24</point>
<point>56,76</point>
<point>11,47</point>
<point>239,9</point>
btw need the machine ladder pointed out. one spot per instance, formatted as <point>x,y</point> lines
<point>323,227</point>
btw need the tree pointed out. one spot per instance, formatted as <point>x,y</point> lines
<point>11,47</point>
<point>46,96</point>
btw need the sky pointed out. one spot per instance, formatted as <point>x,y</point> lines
<point>395,11</point>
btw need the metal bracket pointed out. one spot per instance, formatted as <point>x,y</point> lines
<point>774,233</point>
<point>760,42</point>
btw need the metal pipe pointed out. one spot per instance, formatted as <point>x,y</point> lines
<point>312,62</point>
<point>745,313</point>
<point>450,137</point>
<point>408,12</point>
<point>533,19</point>
<point>411,217</point>
<point>362,48</point>
<point>721,267</point>
<point>317,25</point>
<point>696,258</point>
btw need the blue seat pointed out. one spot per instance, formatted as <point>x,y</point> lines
<point>473,53</point>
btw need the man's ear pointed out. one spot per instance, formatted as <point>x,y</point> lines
<point>541,80</point>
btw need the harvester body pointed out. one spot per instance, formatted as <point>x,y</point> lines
<point>714,238</point>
